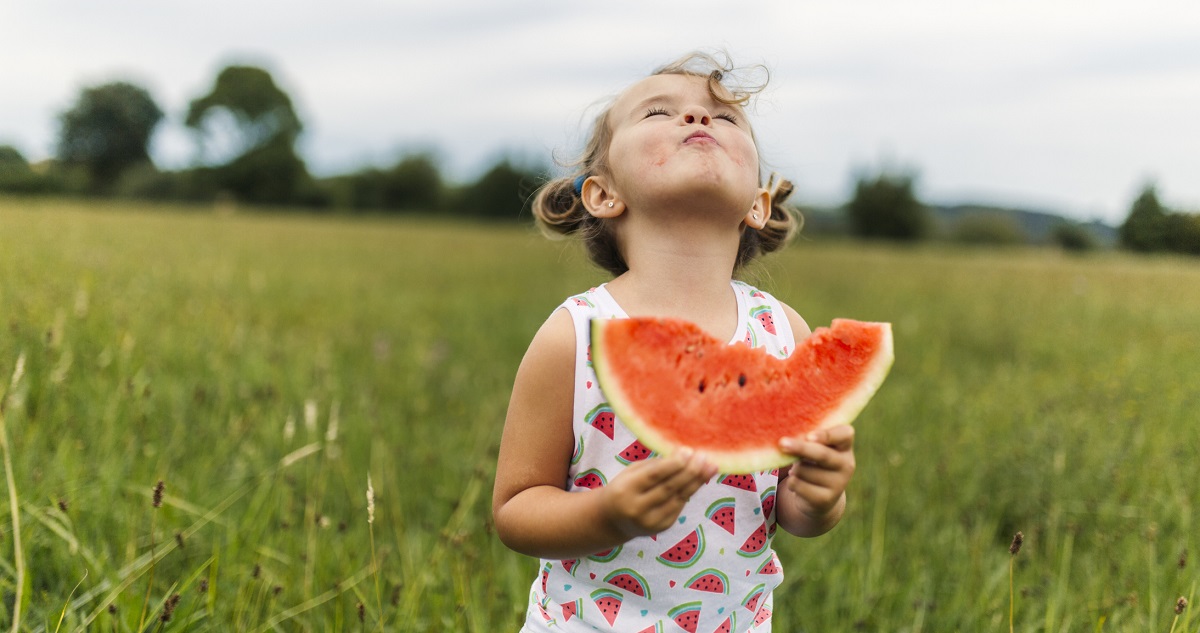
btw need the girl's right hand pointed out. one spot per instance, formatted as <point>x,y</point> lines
<point>647,497</point>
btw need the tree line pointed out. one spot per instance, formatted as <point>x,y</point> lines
<point>246,130</point>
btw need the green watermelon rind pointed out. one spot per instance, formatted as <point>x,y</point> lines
<point>748,460</point>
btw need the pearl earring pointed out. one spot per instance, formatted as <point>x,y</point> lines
<point>610,204</point>
<point>755,216</point>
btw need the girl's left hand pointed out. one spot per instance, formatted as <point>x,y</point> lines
<point>826,465</point>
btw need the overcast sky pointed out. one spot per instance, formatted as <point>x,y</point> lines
<point>1069,106</point>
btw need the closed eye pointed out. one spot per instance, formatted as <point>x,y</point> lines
<point>655,111</point>
<point>732,118</point>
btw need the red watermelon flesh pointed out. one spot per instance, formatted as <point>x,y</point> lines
<point>686,552</point>
<point>710,580</point>
<point>687,616</point>
<point>756,542</point>
<point>629,580</point>
<point>609,603</point>
<point>635,452</point>
<point>674,385</point>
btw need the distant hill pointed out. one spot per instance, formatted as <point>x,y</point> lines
<point>1038,226</point>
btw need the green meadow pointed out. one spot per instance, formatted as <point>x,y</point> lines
<point>263,365</point>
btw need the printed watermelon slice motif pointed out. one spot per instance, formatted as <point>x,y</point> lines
<point>569,565</point>
<point>606,555</point>
<point>726,626</point>
<point>751,339</point>
<point>710,580</point>
<point>768,502</point>
<point>686,552</point>
<point>571,609</point>
<point>635,452</point>
<point>590,478</point>
<point>630,581</point>
<point>764,316</point>
<point>764,614</point>
<point>675,386</point>
<point>578,451</point>
<point>657,628</point>
<point>723,513</point>
<point>770,567</point>
<point>756,594</point>
<point>602,418</point>
<point>609,603</point>
<point>755,543</point>
<point>582,301</point>
<point>545,577</point>
<point>745,482</point>
<point>686,615</point>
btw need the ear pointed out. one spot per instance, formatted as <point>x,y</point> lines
<point>760,211</point>
<point>599,198</point>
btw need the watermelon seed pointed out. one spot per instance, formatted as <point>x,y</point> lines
<point>701,386</point>
<point>742,380</point>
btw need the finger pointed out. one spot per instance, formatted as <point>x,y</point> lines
<point>839,437</point>
<point>685,482</point>
<point>651,473</point>
<point>816,496</point>
<point>818,476</point>
<point>814,454</point>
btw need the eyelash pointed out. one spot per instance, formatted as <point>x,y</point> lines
<point>724,115</point>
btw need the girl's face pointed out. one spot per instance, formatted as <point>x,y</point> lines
<point>672,141</point>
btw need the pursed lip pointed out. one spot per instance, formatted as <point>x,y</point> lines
<point>699,136</point>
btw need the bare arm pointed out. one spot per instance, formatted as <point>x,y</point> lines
<point>812,492</point>
<point>533,512</point>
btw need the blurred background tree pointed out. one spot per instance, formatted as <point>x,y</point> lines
<point>994,229</point>
<point>107,131</point>
<point>504,192</point>
<point>414,183</point>
<point>886,206</point>
<point>1145,228</point>
<point>249,122</point>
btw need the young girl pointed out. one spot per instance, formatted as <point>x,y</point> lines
<point>668,197</point>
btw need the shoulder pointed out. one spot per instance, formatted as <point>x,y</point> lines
<point>554,343</point>
<point>800,329</point>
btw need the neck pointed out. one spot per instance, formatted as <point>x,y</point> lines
<point>677,267</point>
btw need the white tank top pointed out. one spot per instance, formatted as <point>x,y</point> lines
<point>714,570</point>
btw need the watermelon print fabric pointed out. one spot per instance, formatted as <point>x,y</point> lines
<point>715,569</point>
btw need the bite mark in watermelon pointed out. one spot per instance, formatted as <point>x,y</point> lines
<point>603,418</point>
<point>723,513</point>
<point>675,386</point>
<point>686,615</point>
<point>686,552</point>
<point>609,603</point>
<point>630,581</point>
<point>710,580</point>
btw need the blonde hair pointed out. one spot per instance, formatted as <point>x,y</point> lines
<point>558,208</point>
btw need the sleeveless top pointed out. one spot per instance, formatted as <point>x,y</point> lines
<point>714,570</point>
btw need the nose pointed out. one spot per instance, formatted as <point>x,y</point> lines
<point>696,114</point>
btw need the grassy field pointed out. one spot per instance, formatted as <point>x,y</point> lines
<point>262,366</point>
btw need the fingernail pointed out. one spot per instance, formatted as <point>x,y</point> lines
<point>685,453</point>
<point>812,437</point>
<point>787,444</point>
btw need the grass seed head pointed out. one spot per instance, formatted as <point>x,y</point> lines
<point>158,493</point>
<point>1183,558</point>
<point>203,586</point>
<point>169,608</point>
<point>1180,605</point>
<point>62,505</point>
<point>362,613</point>
<point>370,500</point>
<point>1018,539</point>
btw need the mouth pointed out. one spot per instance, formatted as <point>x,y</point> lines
<point>699,137</point>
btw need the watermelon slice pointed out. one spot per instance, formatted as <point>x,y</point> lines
<point>686,615</point>
<point>673,385</point>
<point>609,603</point>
